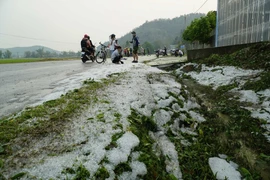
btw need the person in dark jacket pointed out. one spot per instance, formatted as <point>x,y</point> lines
<point>135,43</point>
<point>90,46</point>
<point>87,45</point>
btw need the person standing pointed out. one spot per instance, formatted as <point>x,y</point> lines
<point>165,51</point>
<point>147,51</point>
<point>135,43</point>
<point>112,43</point>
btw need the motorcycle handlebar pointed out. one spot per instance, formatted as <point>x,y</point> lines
<point>102,44</point>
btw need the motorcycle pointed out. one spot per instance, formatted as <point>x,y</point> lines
<point>99,57</point>
<point>176,52</point>
<point>160,52</point>
<point>86,56</point>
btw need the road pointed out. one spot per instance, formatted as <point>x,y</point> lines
<point>26,83</point>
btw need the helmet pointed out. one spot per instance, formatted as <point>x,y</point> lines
<point>85,36</point>
<point>133,32</point>
<point>113,35</point>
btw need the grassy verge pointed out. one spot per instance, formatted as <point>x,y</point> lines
<point>229,128</point>
<point>254,57</point>
<point>27,60</point>
<point>50,117</point>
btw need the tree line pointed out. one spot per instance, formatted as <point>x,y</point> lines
<point>40,53</point>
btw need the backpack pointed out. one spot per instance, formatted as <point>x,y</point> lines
<point>83,43</point>
<point>138,40</point>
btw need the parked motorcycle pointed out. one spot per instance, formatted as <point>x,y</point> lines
<point>176,52</point>
<point>160,52</point>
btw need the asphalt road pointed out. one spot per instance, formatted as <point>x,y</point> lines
<point>26,83</point>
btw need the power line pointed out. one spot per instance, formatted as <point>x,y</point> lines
<point>201,6</point>
<point>37,39</point>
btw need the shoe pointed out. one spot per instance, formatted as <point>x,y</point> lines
<point>121,62</point>
<point>134,61</point>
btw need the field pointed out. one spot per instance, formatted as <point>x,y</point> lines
<point>26,60</point>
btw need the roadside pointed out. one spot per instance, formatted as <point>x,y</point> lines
<point>135,121</point>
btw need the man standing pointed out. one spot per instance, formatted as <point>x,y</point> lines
<point>135,43</point>
<point>112,44</point>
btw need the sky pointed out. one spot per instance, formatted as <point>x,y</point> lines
<point>61,24</point>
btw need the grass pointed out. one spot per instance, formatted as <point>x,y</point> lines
<point>156,167</point>
<point>50,117</point>
<point>79,172</point>
<point>254,57</point>
<point>260,84</point>
<point>28,60</point>
<point>229,128</point>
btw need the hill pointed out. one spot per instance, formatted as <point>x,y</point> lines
<point>156,34</point>
<point>19,51</point>
<point>160,32</point>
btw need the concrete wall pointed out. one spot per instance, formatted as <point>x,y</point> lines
<point>204,53</point>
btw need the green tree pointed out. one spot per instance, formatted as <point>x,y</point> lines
<point>54,54</point>
<point>212,15</point>
<point>1,54</point>
<point>40,52</point>
<point>33,54</point>
<point>127,44</point>
<point>27,54</point>
<point>148,45</point>
<point>64,54</point>
<point>201,29</point>
<point>7,54</point>
<point>47,54</point>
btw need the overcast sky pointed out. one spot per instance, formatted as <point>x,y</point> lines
<point>60,24</point>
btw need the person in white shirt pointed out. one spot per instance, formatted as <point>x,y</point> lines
<point>180,53</point>
<point>112,43</point>
<point>116,56</point>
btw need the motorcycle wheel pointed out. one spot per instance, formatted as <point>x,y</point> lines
<point>101,58</point>
<point>84,59</point>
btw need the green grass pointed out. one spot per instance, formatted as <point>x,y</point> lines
<point>229,130</point>
<point>254,57</point>
<point>259,85</point>
<point>28,60</point>
<point>156,166</point>
<point>50,117</point>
